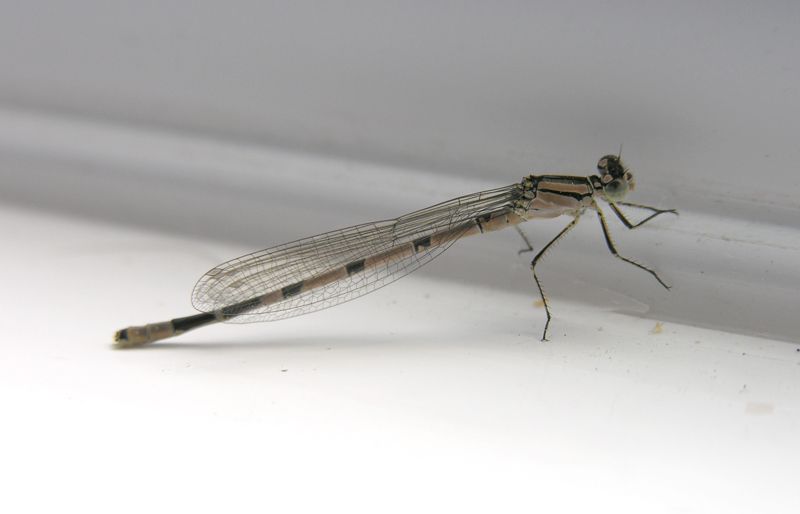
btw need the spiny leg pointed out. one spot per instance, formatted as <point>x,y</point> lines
<point>536,260</point>
<point>527,242</point>
<point>630,225</point>
<point>610,244</point>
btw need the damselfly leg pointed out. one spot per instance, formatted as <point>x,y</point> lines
<point>536,260</point>
<point>609,242</point>
<point>628,224</point>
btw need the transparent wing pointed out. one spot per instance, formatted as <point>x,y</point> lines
<point>251,277</point>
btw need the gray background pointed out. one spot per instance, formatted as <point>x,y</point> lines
<point>707,91</point>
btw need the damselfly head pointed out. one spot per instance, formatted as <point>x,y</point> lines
<point>617,181</point>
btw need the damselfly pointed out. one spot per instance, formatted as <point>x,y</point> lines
<point>328,269</point>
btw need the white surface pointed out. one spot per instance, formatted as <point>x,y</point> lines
<point>424,393</point>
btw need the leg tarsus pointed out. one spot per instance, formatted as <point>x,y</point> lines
<point>627,222</point>
<point>524,238</point>
<point>546,307</point>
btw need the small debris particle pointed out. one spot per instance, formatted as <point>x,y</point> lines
<point>658,329</point>
<point>698,342</point>
<point>538,303</point>
<point>284,370</point>
<point>758,408</point>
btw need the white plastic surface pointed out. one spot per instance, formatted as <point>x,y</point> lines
<point>439,390</point>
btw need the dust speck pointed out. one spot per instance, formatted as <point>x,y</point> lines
<point>758,408</point>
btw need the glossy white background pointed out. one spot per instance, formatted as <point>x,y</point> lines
<point>143,144</point>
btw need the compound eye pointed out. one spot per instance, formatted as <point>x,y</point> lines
<point>610,165</point>
<point>616,190</point>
